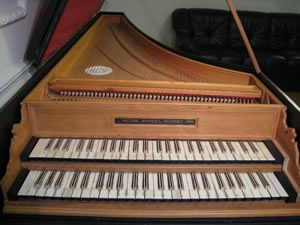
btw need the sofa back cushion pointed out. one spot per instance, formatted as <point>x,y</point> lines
<point>181,21</point>
<point>285,31</point>
<point>210,27</point>
<point>256,25</point>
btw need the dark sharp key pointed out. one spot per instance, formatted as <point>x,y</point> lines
<point>40,179</point>
<point>229,181</point>
<point>50,179</point>
<point>169,181</point>
<point>67,145</point>
<point>158,146</point>
<point>145,145</point>
<point>147,181</point>
<point>144,181</point>
<point>253,181</point>
<point>196,180</point>
<point>85,180</point>
<point>220,181</point>
<point>172,185</point>
<point>110,180</point>
<point>111,184</point>
<point>90,145</point>
<point>243,147</point>
<point>200,149</point>
<point>252,146</point>
<point>119,181</point>
<point>193,181</point>
<point>168,148</point>
<point>179,181</point>
<point>158,182</point>
<point>74,179</point>
<point>58,144</point>
<point>222,146</point>
<point>239,180</point>
<point>190,146</point>
<point>205,181</point>
<point>122,146</point>
<point>231,148</point>
<point>213,147</point>
<point>162,181</point>
<point>135,145</point>
<point>263,180</point>
<point>177,149</point>
<point>100,180</point>
<point>59,179</point>
<point>194,177</point>
<point>113,145</point>
<point>134,181</point>
<point>104,145</point>
<point>122,180</point>
<point>80,145</point>
<point>49,144</point>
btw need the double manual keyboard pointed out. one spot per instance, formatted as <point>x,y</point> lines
<point>151,150</point>
<point>93,185</point>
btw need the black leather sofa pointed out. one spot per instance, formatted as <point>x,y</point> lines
<point>212,34</point>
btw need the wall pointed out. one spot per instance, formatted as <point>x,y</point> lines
<point>13,42</point>
<point>154,17</point>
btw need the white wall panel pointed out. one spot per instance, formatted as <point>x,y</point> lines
<point>14,38</point>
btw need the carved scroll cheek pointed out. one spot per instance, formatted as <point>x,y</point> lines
<point>21,135</point>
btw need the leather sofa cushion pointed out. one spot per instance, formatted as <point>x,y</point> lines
<point>210,27</point>
<point>208,53</point>
<point>230,56</point>
<point>276,64</point>
<point>293,61</point>
<point>181,21</point>
<point>285,31</point>
<point>212,35</point>
<point>260,56</point>
<point>256,25</point>
<point>223,55</point>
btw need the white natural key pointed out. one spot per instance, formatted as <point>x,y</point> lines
<point>61,184</point>
<point>30,179</point>
<point>87,190</point>
<point>40,145</point>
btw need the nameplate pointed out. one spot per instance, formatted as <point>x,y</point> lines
<point>155,121</point>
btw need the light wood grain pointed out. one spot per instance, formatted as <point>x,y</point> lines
<point>97,120</point>
<point>21,136</point>
<point>155,167</point>
<point>154,210</point>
